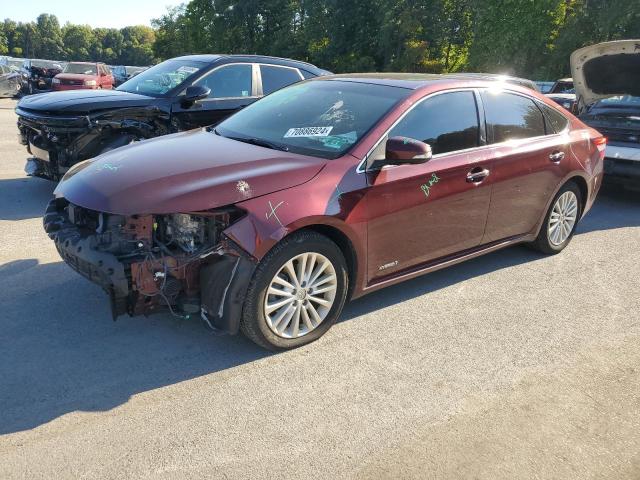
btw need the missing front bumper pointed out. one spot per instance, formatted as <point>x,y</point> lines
<point>215,285</point>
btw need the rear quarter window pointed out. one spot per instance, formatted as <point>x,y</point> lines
<point>511,117</point>
<point>556,121</point>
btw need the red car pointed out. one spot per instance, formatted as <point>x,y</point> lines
<point>321,192</point>
<point>83,75</point>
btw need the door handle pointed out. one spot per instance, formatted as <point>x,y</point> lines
<point>477,175</point>
<point>556,156</point>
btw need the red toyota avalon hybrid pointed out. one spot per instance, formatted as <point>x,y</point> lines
<point>83,75</point>
<point>324,191</point>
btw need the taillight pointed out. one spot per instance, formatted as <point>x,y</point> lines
<point>601,145</point>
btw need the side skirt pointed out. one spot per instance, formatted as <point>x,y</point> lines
<point>445,262</point>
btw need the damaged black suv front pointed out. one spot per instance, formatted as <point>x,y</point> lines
<point>61,129</point>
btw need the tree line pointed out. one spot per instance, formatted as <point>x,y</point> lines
<point>46,39</point>
<point>529,38</point>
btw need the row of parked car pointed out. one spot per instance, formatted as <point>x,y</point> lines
<point>23,76</point>
<point>329,187</point>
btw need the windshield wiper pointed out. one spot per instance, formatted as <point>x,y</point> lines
<point>256,141</point>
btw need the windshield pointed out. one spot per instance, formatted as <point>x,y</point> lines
<point>158,80</point>
<point>45,64</point>
<point>134,70</point>
<point>563,87</point>
<point>318,118</point>
<point>14,64</point>
<point>81,68</point>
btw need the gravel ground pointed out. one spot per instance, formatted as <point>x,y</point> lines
<point>513,365</point>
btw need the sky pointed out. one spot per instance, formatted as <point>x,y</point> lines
<point>111,13</point>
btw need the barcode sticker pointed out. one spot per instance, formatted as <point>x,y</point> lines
<point>308,132</point>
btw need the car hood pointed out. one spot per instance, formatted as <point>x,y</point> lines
<point>184,172</point>
<point>606,70</point>
<point>83,101</point>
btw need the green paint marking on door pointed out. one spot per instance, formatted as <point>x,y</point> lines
<point>426,187</point>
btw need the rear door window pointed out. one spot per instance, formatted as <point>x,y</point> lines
<point>229,81</point>
<point>275,78</point>
<point>511,117</point>
<point>447,122</point>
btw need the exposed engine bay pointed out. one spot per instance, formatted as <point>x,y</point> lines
<point>179,262</point>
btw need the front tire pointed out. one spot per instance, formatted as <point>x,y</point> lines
<point>560,221</point>
<point>297,292</point>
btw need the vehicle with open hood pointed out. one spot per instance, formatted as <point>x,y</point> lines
<point>324,191</point>
<point>63,128</point>
<point>607,82</point>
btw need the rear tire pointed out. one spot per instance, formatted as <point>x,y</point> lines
<point>560,221</point>
<point>313,295</point>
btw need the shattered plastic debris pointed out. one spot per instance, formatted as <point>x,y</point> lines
<point>244,188</point>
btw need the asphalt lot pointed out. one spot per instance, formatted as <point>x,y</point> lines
<point>513,365</point>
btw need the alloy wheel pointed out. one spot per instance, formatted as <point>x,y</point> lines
<point>563,218</point>
<point>300,295</point>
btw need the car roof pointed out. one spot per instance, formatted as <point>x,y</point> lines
<point>418,80</point>
<point>210,58</point>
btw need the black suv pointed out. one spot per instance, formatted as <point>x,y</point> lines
<point>61,129</point>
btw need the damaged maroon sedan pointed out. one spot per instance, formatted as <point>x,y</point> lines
<point>322,192</point>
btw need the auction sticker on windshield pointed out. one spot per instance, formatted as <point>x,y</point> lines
<point>186,69</point>
<point>308,132</point>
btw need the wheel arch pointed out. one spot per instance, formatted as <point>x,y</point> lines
<point>583,186</point>
<point>584,190</point>
<point>345,245</point>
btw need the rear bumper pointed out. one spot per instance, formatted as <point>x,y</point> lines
<point>622,164</point>
<point>619,152</point>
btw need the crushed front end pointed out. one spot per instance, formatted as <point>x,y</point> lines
<point>57,141</point>
<point>53,141</point>
<point>182,263</point>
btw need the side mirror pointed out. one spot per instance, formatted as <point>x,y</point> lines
<point>401,150</point>
<point>195,93</point>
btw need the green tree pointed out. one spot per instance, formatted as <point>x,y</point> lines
<point>593,21</point>
<point>137,45</point>
<point>49,35</point>
<point>78,40</point>
<point>4,41</point>
<point>515,36</point>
